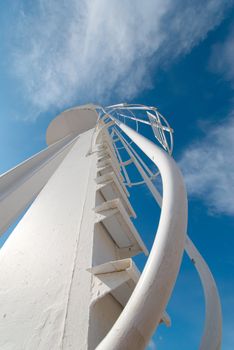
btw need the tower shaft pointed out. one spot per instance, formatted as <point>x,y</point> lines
<point>55,267</point>
<point>67,279</point>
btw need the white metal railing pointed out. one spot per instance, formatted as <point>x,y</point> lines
<point>146,305</point>
<point>211,338</point>
<point>143,312</point>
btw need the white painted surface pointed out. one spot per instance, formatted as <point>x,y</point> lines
<point>48,298</point>
<point>212,334</point>
<point>45,288</point>
<point>20,185</point>
<point>73,121</point>
<point>40,261</point>
<point>104,314</point>
<point>143,312</point>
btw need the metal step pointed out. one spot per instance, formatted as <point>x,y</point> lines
<point>109,176</point>
<point>108,169</point>
<point>105,161</point>
<point>117,223</point>
<point>111,189</point>
<point>119,278</point>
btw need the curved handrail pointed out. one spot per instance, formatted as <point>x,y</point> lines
<point>212,333</point>
<point>137,322</point>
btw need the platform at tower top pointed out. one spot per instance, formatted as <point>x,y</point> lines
<point>72,121</point>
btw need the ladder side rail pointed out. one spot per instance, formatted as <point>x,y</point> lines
<point>142,314</point>
<point>212,334</point>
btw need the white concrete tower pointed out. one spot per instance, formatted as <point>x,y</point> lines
<point>67,278</point>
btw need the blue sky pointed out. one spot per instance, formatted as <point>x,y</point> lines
<point>176,55</point>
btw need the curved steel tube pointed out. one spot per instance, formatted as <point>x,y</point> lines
<point>212,334</point>
<point>142,314</point>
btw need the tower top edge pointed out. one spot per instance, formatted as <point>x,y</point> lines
<point>75,120</point>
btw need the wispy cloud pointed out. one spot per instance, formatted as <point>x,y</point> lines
<point>152,345</point>
<point>66,51</point>
<point>208,166</point>
<point>222,57</point>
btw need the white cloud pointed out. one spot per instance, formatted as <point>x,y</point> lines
<point>152,345</point>
<point>208,167</point>
<point>66,51</point>
<point>222,58</point>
